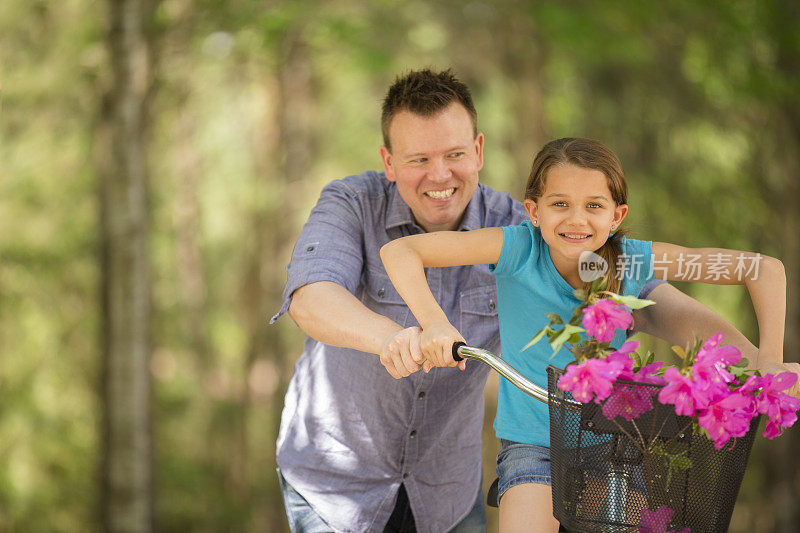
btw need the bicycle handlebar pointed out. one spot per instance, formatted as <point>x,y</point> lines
<point>461,351</point>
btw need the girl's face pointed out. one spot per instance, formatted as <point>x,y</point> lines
<point>575,212</point>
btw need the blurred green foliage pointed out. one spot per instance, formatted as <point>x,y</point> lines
<point>256,105</point>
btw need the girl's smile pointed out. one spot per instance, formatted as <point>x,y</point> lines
<point>575,237</point>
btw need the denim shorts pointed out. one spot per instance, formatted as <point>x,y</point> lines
<point>521,463</point>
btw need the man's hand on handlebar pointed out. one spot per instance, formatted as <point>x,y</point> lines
<point>401,355</point>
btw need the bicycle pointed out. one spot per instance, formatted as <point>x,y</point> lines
<point>607,472</point>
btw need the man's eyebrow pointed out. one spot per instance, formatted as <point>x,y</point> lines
<point>451,149</point>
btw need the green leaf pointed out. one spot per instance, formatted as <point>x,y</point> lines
<point>580,294</point>
<point>564,336</point>
<point>536,339</point>
<point>680,351</point>
<point>599,284</point>
<point>631,301</point>
<point>554,318</point>
<point>737,371</point>
<point>681,462</point>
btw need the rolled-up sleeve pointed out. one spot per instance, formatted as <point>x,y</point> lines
<point>330,247</point>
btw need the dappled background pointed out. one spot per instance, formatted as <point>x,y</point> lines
<point>209,154</point>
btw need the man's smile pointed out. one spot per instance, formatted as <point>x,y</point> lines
<point>442,194</point>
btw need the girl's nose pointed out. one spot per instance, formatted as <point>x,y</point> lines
<point>577,216</point>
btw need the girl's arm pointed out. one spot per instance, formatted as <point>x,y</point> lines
<point>764,277</point>
<point>405,260</point>
<point>679,319</point>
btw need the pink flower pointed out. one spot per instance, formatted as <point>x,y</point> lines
<point>777,405</point>
<point>748,390</point>
<point>647,374</point>
<point>752,384</point>
<point>628,401</point>
<point>682,391</point>
<point>726,418</point>
<point>593,376</point>
<point>623,357</point>
<point>710,373</point>
<point>709,370</point>
<point>603,317</point>
<point>657,521</point>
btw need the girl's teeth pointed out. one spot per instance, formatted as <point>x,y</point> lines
<point>441,194</point>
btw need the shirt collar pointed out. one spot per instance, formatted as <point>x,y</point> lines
<point>399,214</point>
<point>472,214</point>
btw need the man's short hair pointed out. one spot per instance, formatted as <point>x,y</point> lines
<point>425,93</point>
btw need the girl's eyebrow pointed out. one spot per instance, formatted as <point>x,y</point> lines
<point>562,195</point>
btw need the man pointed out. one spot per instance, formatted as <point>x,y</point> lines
<point>367,442</point>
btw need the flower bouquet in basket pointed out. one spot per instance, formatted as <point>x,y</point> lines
<point>636,443</point>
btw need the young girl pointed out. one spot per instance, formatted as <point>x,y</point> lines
<point>576,199</point>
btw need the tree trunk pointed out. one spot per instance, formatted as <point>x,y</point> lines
<point>127,470</point>
<point>784,483</point>
<point>284,133</point>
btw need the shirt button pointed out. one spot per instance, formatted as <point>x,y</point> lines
<point>421,395</point>
<point>413,432</point>
<point>381,292</point>
<point>405,475</point>
<point>310,249</point>
<point>491,304</point>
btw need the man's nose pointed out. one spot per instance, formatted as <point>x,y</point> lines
<point>440,170</point>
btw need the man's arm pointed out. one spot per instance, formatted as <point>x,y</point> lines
<point>677,317</point>
<point>329,313</point>
<point>324,274</point>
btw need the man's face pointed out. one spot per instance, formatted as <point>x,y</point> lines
<point>435,162</point>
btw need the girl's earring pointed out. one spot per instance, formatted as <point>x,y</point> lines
<point>535,221</point>
<point>612,227</point>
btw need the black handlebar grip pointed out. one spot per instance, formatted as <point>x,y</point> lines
<point>456,346</point>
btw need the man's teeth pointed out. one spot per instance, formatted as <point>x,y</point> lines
<point>439,195</point>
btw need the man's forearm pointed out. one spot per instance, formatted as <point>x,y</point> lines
<point>329,313</point>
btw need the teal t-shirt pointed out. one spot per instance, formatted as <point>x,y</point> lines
<point>528,286</point>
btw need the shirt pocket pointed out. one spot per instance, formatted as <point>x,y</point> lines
<point>478,316</point>
<point>380,296</point>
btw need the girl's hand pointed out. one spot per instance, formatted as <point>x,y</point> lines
<point>772,367</point>
<point>436,345</point>
<point>794,367</point>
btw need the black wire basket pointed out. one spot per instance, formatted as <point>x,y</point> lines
<point>630,459</point>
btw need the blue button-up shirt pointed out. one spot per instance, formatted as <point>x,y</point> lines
<point>350,433</point>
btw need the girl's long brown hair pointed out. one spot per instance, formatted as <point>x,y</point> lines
<point>585,153</point>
